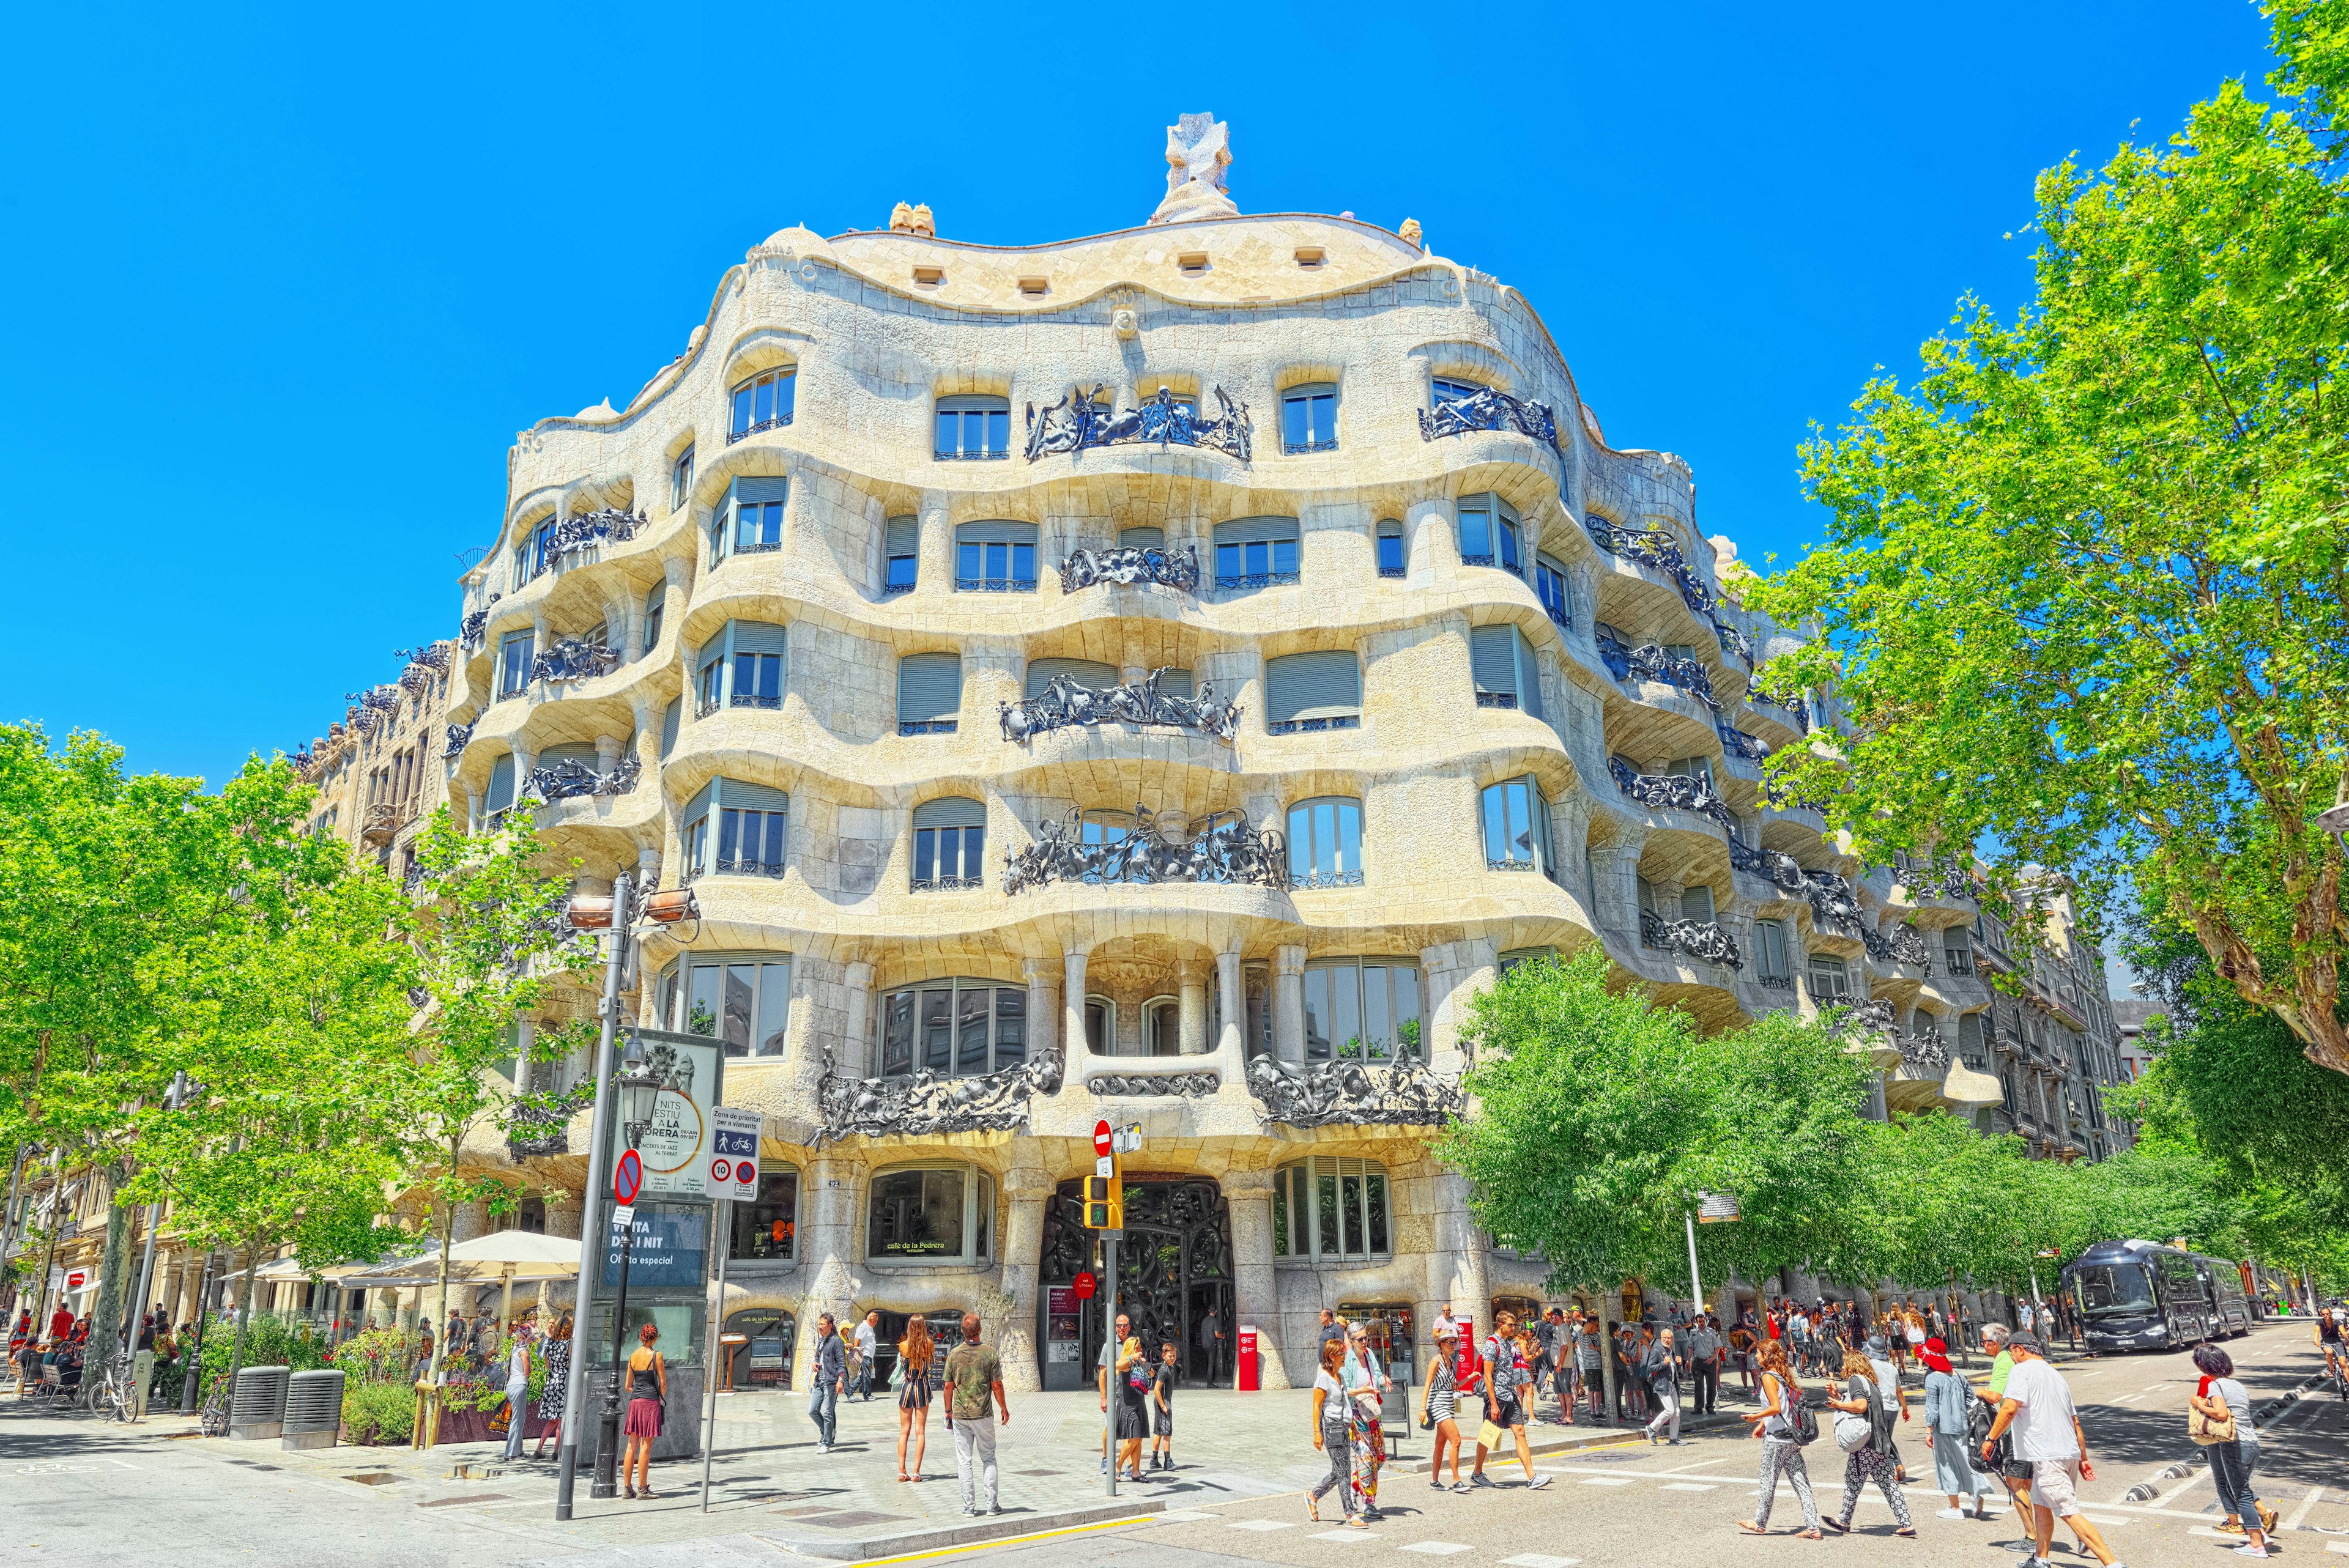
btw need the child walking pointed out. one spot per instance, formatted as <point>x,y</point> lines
<point>1162,1410</point>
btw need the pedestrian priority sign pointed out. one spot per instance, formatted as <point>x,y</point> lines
<point>734,1159</point>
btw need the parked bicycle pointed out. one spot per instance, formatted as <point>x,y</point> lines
<point>214,1415</point>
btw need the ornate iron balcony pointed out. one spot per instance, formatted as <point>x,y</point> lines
<point>705,708</point>
<point>1650,661</point>
<point>1225,851</point>
<point>592,529</point>
<point>1794,706</point>
<point>977,456</point>
<point>1497,699</point>
<point>1489,410</point>
<point>1131,566</point>
<point>1393,572</point>
<point>757,547</point>
<point>891,590</point>
<point>1318,880</point>
<point>475,626</point>
<point>948,885</point>
<point>1258,580</point>
<point>1303,448</point>
<point>1775,982</point>
<point>1354,1093</point>
<point>927,726</point>
<point>1682,794</point>
<point>1737,743</point>
<point>995,585</point>
<point>575,659</point>
<point>777,423</point>
<point>752,700</point>
<point>1511,865</point>
<point>1564,622</point>
<point>1079,420</point>
<point>748,868</point>
<point>1312,725</point>
<point>1695,938</point>
<point>570,779</point>
<point>1476,560</point>
<point>1065,703</point>
<point>1779,867</point>
<point>919,1105</point>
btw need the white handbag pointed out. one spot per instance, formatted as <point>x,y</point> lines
<point>1852,1433</point>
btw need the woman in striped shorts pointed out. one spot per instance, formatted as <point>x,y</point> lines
<point>1442,1403</point>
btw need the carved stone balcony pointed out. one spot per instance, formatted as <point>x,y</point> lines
<point>1066,704</point>
<point>380,823</point>
<point>1131,567</point>
<point>1691,938</point>
<point>1225,850</point>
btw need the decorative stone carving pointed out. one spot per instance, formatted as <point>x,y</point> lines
<point>475,626</point>
<point>1659,790</point>
<point>1065,703</point>
<point>1076,421</point>
<point>1410,234</point>
<point>1225,851</point>
<point>575,659</point>
<point>921,1104</point>
<point>301,759</point>
<point>1199,151</point>
<point>1178,1086</point>
<point>1354,1094</point>
<point>1489,410</point>
<point>905,220</point>
<point>571,779</point>
<point>1130,567</point>
<point>1696,939</point>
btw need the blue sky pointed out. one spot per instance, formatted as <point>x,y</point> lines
<point>281,283</point>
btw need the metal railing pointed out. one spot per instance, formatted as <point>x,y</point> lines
<point>926,726</point>
<point>777,423</point>
<point>1313,726</point>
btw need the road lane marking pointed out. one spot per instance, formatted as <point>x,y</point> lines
<point>1538,1559</point>
<point>1183,1516</point>
<point>1262,1524</point>
<point>2340,1546</point>
<point>972,1547</point>
<point>1607,1481</point>
<point>1343,1535</point>
<point>2305,1504</point>
<point>1690,1486</point>
<point>1439,1548</point>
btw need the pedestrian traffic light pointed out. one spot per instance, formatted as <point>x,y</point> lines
<point>1105,1201</point>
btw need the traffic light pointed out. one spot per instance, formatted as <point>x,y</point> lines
<point>1105,1199</point>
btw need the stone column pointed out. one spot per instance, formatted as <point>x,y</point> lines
<point>1455,1268</point>
<point>472,1220</point>
<point>607,754</point>
<point>859,1056</point>
<point>1431,544</point>
<point>1191,1006</point>
<point>935,564</point>
<point>1029,1189</point>
<point>1231,1043</point>
<point>472,810</point>
<point>1256,1299</point>
<point>1072,1008</point>
<point>565,1216</point>
<point>829,1200</point>
<point>1043,1015</point>
<point>1453,970</point>
<point>1289,1004</point>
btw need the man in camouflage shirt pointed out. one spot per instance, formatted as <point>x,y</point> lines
<point>974,1373</point>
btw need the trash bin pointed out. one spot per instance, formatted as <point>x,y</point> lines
<point>256,1407</point>
<point>314,1409</point>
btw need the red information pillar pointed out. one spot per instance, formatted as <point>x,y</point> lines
<point>1249,1382</point>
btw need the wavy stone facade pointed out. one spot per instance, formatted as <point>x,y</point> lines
<point>1253,936</point>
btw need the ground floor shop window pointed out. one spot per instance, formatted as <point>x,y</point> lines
<point>931,1213</point>
<point>764,1358</point>
<point>768,1228</point>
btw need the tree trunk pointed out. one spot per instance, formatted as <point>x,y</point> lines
<point>106,1315</point>
<point>427,1431</point>
<point>243,1311</point>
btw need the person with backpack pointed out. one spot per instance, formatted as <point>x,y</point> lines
<point>1784,1425</point>
<point>1949,1408</point>
<point>1862,1430</point>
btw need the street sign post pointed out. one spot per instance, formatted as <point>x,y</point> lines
<point>733,1179</point>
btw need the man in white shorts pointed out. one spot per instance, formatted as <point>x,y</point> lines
<point>2038,1406</point>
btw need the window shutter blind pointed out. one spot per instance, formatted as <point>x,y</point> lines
<point>745,796</point>
<point>1142,539</point>
<point>1085,672</point>
<point>1254,530</point>
<point>757,636</point>
<point>581,751</point>
<point>1696,902</point>
<point>953,811</point>
<point>1312,686</point>
<point>903,536</point>
<point>1391,527</point>
<point>751,488</point>
<point>1176,683</point>
<point>996,532</point>
<point>699,806</point>
<point>502,783</point>
<point>1492,656</point>
<point>929,687</point>
<point>668,726</point>
<point>964,402</point>
<point>1529,692</point>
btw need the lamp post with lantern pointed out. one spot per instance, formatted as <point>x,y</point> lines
<point>639,1084</point>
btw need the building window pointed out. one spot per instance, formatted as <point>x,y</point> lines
<point>742,667</point>
<point>1501,662</point>
<point>1325,843</point>
<point>1830,981</point>
<point>671,715</point>
<point>1448,389</point>
<point>764,403</point>
<point>929,693</point>
<point>1957,950</point>
<point>1361,1009</point>
<point>1091,674</point>
<point>900,555</point>
<point>751,520</point>
<point>1770,944</point>
<point>1257,552</point>
<point>1309,419</point>
<point>758,527</point>
<point>681,480</point>
<point>974,427</point>
<point>1697,768</point>
<point>1489,533</point>
<point>1549,584</point>
<point>994,557</point>
<point>1516,955</point>
<point>766,1230</point>
<point>1332,1208</point>
<point>1516,825</point>
<point>744,999</point>
<point>734,828</point>
<point>1970,1039</point>
<point>931,1214</point>
<point>1392,552</point>
<point>654,603</point>
<point>1313,691</point>
<point>514,655</point>
<point>953,1028</point>
<point>950,844</point>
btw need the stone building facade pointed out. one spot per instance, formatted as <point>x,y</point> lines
<point>381,769</point>
<point>2055,1041</point>
<point>1163,677</point>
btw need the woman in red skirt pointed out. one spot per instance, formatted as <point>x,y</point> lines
<point>647,1398</point>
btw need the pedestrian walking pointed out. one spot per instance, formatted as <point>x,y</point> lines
<point>1440,1407</point>
<point>1161,1410</point>
<point>868,1349</point>
<point>2220,1423</point>
<point>1589,1369</point>
<point>557,1355</point>
<point>1704,1357</point>
<point>1895,1395</point>
<point>1999,1451</point>
<point>1779,1430</point>
<point>974,1377</point>
<point>2038,1407</point>
<point>1660,1370</point>
<point>1210,1340</point>
<point>1332,1437</point>
<point>1949,1407</point>
<point>1332,1331</point>
<point>1507,1379</point>
<point>1864,1433</point>
<point>828,1382</point>
<point>647,1410</point>
<point>1366,1385</point>
<point>915,1353</point>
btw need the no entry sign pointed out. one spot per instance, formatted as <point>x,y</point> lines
<point>1102,1139</point>
<point>627,1176</point>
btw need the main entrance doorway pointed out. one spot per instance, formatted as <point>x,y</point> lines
<point>1175,1275</point>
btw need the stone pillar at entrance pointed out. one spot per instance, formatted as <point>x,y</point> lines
<point>1256,1299</point>
<point>1455,1267</point>
<point>1230,1042</point>
<point>829,1202</point>
<point>1030,1188</point>
<point>1191,1006</point>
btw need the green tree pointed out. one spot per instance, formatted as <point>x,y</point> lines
<point>2086,589</point>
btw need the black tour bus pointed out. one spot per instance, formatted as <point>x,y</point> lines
<point>2144,1295</point>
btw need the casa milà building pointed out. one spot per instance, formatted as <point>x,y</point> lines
<point>1159,676</point>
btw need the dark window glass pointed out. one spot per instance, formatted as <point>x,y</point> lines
<point>767,1226</point>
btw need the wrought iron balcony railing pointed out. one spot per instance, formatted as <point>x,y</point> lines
<point>1081,420</point>
<point>742,868</point>
<point>927,726</point>
<point>1489,410</point>
<point>757,426</point>
<point>1313,726</point>
<point>1131,566</point>
<point>571,779</point>
<point>753,699</point>
<point>1258,580</point>
<point>1226,850</point>
<point>1314,881</point>
<point>1065,704</point>
<point>1497,699</point>
<point>1393,572</point>
<point>454,747</point>
<point>1305,448</point>
<point>705,708</point>
<point>575,659</point>
<point>1700,939</point>
<point>1736,743</point>
<point>947,884</point>
<point>995,585</point>
<point>1671,789</point>
<point>1511,864</point>
<point>1476,560</point>
<point>1650,661</point>
<point>977,456</point>
<point>1775,982</point>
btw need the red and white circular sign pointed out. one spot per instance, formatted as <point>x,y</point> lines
<point>721,1170</point>
<point>1101,1138</point>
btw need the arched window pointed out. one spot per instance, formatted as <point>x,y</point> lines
<point>929,693</point>
<point>994,557</point>
<point>1100,1026</point>
<point>931,1214</point>
<point>974,426</point>
<point>1161,1027</point>
<point>1393,551</point>
<point>1516,825</point>
<point>743,999</point>
<point>1361,1009</point>
<point>1331,1209</point>
<point>1309,419</point>
<point>763,402</point>
<point>950,844</point>
<point>734,828</point>
<point>1313,691</point>
<point>1325,842</point>
<point>954,1029</point>
<point>1829,980</point>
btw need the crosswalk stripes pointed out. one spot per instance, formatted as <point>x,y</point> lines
<point>1538,1559</point>
<point>1439,1548</point>
<point>1344,1535</point>
<point>1607,1481</point>
<point>1261,1525</point>
<point>1691,1486</point>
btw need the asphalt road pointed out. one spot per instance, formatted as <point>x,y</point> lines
<point>1634,1504</point>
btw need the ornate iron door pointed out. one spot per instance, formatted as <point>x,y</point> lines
<point>1173,1265</point>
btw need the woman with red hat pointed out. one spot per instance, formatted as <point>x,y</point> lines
<point>1948,1401</point>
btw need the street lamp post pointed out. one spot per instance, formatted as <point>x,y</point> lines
<point>639,1084</point>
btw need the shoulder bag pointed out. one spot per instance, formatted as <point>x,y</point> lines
<point>2206,1432</point>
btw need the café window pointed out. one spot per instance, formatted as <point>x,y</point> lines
<point>767,1229</point>
<point>931,1214</point>
<point>954,1029</point>
<point>1331,1209</point>
<point>742,998</point>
